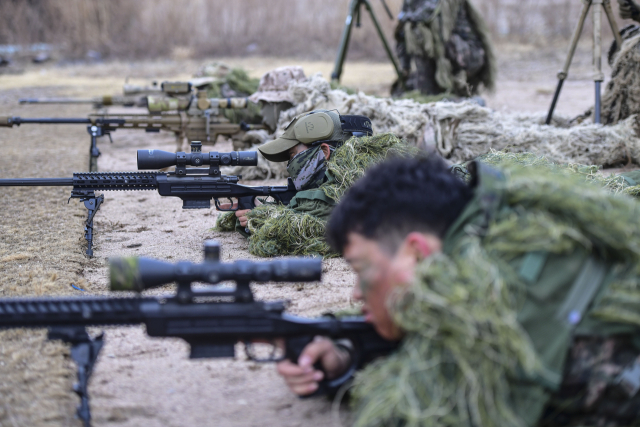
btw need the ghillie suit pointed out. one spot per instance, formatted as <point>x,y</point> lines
<point>622,95</point>
<point>298,229</point>
<point>463,131</point>
<point>230,83</point>
<point>538,266</point>
<point>624,183</point>
<point>448,43</point>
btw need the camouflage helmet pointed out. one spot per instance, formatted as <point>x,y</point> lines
<point>274,85</point>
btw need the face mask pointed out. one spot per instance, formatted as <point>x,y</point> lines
<point>307,168</point>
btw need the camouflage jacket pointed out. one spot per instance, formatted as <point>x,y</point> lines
<point>592,368</point>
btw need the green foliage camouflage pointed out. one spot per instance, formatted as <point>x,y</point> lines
<point>226,222</point>
<point>463,342</point>
<point>615,183</point>
<point>278,230</point>
<point>238,81</point>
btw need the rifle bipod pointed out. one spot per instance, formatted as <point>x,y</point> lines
<point>84,352</point>
<point>92,203</point>
<point>95,132</point>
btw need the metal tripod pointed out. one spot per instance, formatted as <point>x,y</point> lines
<point>355,11</point>
<point>598,5</point>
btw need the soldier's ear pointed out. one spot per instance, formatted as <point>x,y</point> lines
<point>422,245</point>
<point>326,150</point>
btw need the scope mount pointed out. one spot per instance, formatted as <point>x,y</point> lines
<point>241,293</point>
<point>196,147</point>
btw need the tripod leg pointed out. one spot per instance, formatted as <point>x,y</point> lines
<point>384,42</point>
<point>562,75</point>
<point>597,55</point>
<point>344,40</point>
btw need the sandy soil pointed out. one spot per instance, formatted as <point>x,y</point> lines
<point>151,382</point>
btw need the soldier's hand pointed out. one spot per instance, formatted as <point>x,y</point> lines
<point>302,378</point>
<point>240,214</point>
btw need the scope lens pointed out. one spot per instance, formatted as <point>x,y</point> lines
<point>155,159</point>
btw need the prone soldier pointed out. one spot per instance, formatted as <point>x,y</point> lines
<point>307,143</point>
<point>515,297</point>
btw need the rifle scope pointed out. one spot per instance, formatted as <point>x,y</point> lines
<point>158,159</point>
<point>138,274</point>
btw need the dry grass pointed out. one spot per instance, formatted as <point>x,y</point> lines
<point>40,254</point>
<point>199,28</point>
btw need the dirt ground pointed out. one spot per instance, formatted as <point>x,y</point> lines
<point>151,382</point>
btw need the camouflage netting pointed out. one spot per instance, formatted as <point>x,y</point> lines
<point>278,230</point>
<point>463,131</point>
<point>463,341</point>
<point>614,183</point>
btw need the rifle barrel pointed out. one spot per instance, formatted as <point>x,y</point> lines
<point>37,182</point>
<point>44,120</point>
<point>59,100</point>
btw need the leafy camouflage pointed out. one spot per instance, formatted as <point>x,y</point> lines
<point>298,229</point>
<point>483,344</point>
<point>447,41</point>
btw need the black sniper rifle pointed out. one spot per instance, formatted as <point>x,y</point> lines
<point>211,320</point>
<point>195,186</point>
<point>201,123</point>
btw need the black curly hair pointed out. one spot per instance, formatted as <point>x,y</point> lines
<point>397,197</point>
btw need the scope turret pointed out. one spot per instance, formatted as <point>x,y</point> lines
<point>158,159</point>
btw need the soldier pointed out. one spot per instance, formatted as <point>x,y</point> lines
<point>515,298</point>
<point>444,47</point>
<point>307,143</point>
<point>273,96</point>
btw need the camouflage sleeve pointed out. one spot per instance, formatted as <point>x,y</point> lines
<point>317,208</point>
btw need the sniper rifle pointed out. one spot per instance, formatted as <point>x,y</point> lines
<point>195,186</point>
<point>211,320</point>
<point>206,125</point>
<point>173,96</point>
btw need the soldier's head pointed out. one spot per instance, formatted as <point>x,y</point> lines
<point>389,221</point>
<point>273,95</point>
<point>310,139</point>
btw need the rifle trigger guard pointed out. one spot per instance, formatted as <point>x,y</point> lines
<point>248,350</point>
<point>216,202</point>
